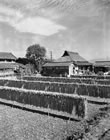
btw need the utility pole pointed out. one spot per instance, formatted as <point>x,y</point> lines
<point>51,57</point>
<point>104,30</point>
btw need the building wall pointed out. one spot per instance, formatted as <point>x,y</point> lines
<point>55,71</point>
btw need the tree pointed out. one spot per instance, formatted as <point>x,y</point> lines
<point>36,54</point>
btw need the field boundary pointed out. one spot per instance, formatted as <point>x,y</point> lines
<point>34,109</point>
<point>60,104</point>
<point>102,91</point>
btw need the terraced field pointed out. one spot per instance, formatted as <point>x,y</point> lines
<point>19,119</point>
<point>17,124</point>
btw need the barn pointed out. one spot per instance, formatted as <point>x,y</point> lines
<point>68,64</point>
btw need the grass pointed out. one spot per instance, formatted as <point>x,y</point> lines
<point>16,124</point>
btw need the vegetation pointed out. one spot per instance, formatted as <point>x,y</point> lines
<point>59,102</point>
<point>69,80</point>
<point>92,90</point>
<point>61,99</point>
<point>36,54</point>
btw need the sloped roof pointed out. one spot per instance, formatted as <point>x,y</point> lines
<point>102,64</point>
<point>68,58</point>
<point>64,59</point>
<point>7,56</point>
<point>71,57</point>
<point>55,64</point>
<point>10,65</point>
<point>75,56</point>
<point>85,63</point>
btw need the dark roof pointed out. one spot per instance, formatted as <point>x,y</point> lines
<point>10,65</point>
<point>102,64</point>
<point>7,56</point>
<point>55,64</point>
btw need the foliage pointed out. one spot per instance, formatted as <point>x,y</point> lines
<point>100,73</point>
<point>58,102</point>
<point>69,80</point>
<point>102,91</point>
<point>92,76</point>
<point>36,54</point>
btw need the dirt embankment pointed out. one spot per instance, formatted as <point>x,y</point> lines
<point>96,127</point>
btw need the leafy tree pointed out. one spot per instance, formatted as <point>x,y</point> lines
<point>36,54</point>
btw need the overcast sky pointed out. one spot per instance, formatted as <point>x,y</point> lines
<point>75,25</point>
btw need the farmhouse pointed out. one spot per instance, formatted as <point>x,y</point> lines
<point>102,65</point>
<point>8,65</point>
<point>68,64</point>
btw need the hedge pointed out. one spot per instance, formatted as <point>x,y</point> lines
<point>102,91</point>
<point>73,77</point>
<point>69,80</point>
<point>74,106</point>
<point>11,83</point>
<point>92,76</point>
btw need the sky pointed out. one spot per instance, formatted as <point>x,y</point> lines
<point>81,26</point>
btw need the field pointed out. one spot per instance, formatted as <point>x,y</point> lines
<point>20,121</point>
<point>18,124</point>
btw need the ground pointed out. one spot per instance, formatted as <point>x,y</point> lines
<point>17,124</point>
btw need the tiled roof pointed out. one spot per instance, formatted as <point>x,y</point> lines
<point>7,56</point>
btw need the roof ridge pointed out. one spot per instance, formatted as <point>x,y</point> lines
<point>72,52</point>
